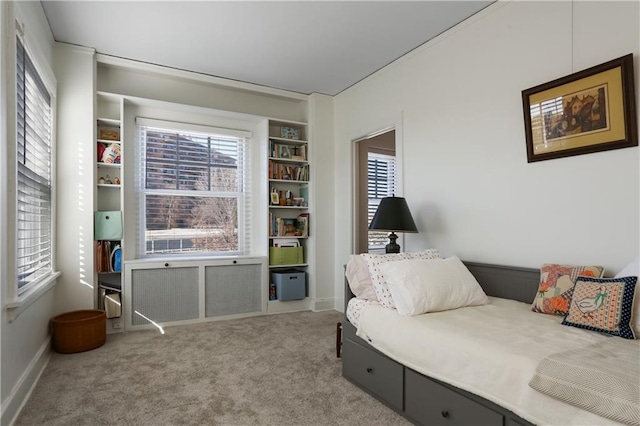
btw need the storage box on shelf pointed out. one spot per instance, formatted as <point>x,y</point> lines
<point>286,256</point>
<point>288,179</point>
<point>290,284</point>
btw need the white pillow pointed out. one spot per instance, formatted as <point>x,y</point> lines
<point>421,286</point>
<point>632,270</point>
<point>359,280</point>
<point>377,277</point>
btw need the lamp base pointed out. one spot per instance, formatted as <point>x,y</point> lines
<point>392,247</point>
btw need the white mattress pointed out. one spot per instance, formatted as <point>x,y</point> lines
<point>490,350</point>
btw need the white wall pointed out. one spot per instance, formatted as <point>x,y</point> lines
<point>25,340</point>
<point>180,87</point>
<point>74,67</point>
<point>323,180</point>
<point>465,171</point>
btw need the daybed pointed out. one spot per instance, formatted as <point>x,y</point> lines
<point>472,365</point>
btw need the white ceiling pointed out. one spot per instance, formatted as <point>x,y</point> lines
<point>301,46</point>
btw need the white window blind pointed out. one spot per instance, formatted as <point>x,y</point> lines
<point>34,136</point>
<point>381,181</point>
<point>195,189</point>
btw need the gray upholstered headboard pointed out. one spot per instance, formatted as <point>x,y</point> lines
<point>507,282</point>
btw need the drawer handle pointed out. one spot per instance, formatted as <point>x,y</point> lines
<point>369,369</point>
<point>445,414</point>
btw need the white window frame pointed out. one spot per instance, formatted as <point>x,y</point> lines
<point>19,299</point>
<point>244,197</point>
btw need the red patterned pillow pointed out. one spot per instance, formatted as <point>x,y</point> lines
<point>556,286</point>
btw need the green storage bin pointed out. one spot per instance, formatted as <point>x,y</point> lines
<point>286,255</point>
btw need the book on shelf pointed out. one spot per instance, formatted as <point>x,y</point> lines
<point>289,227</point>
<point>283,171</point>
<point>272,291</point>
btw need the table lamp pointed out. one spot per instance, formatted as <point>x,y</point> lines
<point>393,215</point>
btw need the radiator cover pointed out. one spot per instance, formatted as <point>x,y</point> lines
<point>192,290</point>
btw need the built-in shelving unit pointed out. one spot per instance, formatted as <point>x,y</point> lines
<point>108,206</point>
<point>289,204</point>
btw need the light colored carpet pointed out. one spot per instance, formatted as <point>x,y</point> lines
<point>268,370</point>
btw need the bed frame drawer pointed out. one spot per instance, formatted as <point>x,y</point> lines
<point>431,403</point>
<point>374,372</point>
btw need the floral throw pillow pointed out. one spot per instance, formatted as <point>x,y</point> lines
<point>603,304</point>
<point>378,279</point>
<point>556,286</point>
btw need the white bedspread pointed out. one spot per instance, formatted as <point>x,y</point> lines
<point>490,350</point>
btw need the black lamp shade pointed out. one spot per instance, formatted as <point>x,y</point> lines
<point>393,215</point>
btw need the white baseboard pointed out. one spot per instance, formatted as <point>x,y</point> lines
<point>281,307</point>
<point>323,305</point>
<point>13,404</point>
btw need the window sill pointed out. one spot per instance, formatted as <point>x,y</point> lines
<point>18,305</point>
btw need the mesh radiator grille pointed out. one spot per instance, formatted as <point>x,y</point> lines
<point>233,289</point>
<point>164,295</point>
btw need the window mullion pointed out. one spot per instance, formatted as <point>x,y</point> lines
<point>177,162</point>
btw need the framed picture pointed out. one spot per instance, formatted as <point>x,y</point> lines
<point>275,198</point>
<point>589,111</point>
<point>289,227</point>
<point>284,151</point>
<point>299,153</point>
<point>289,132</point>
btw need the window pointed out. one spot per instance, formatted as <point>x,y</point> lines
<point>194,183</point>
<point>381,172</point>
<point>34,171</point>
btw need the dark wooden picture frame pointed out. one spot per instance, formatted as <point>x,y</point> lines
<point>589,111</point>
